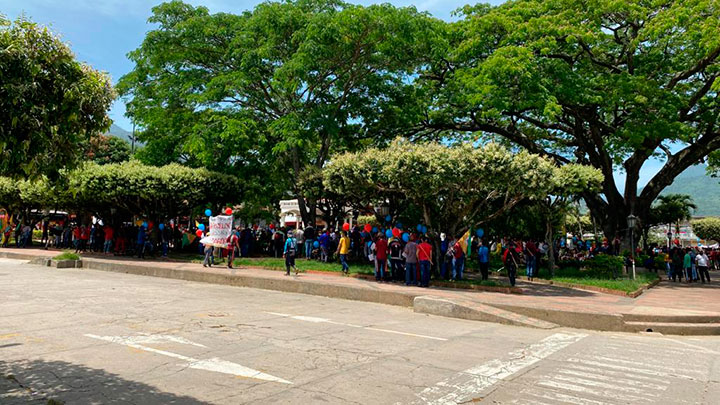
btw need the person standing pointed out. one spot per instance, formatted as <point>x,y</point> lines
<point>233,243</point>
<point>165,237</point>
<point>687,265</point>
<point>530,259</point>
<point>396,261</point>
<point>703,262</point>
<point>483,259</point>
<point>289,253</point>
<point>309,240</point>
<point>458,261</point>
<point>693,266</point>
<point>208,261</point>
<point>141,236</point>
<point>342,250</point>
<point>411,259</point>
<point>381,255</point>
<point>424,255</point>
<point>324,241</point>
<point>511,259</point>
<point>108,232</point>
<point>278,242</point>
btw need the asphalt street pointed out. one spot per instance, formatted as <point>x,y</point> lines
<point>90,337</point>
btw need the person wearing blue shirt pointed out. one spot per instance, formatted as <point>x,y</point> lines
<point>324,240</point>
<point>289,253</point>
<point>484,259</point>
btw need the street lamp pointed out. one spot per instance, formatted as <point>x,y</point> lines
<point>631,222</point>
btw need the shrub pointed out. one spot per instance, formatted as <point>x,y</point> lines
<point>67,256</point>
<point>604,266</point>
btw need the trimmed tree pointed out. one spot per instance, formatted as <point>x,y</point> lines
<point>707,228</point>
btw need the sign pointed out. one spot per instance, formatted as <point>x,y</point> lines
<point>220,229</point>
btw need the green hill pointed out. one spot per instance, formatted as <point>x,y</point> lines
<point>118,132</point>
<point>704,190</point>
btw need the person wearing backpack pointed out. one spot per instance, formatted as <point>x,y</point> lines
<point>396,259</point>
<point>381,253</point>
<point>511,258</point>
<point>289,253</point>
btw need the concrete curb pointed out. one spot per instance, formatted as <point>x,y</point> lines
<point>632,294</point>
<point>475,311</point>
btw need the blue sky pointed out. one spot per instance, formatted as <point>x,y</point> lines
<point>102,32</point>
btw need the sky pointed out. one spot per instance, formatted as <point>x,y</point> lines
<point>102,32</point>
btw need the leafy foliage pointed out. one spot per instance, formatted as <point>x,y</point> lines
<point>49,102</point>
<point>707,228</point>
<point>107,149</point>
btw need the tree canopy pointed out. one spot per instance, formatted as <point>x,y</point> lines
<point>707,228</point>
<point>454,186</point>
<point>49,102</point>
<point>274,91</point>
<point>103,149</point>
<point>609,85</point>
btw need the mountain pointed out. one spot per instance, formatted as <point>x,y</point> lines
<point>703,189</point>
<point>118,132</point>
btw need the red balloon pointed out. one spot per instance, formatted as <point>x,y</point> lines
<point>228,211</point>
<point>396,232</point>
<point>198,233</point>
<point>272,226</point>
<point>151,224</point>
<point>346,227</point>
<point>368,227</point>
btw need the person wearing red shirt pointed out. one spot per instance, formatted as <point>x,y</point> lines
<point>381,254</point>
<point>233,242</point>
<point>424,252</point>
<point>76,237</point>
<point>458,261</point>
<point>109,232</point>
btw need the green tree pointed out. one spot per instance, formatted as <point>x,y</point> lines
<point>610,85</point>
<point>50,104</point>
<point>707,228</point>
<point>104,149</point>
<point>277,89</point>
<point>670,209</point>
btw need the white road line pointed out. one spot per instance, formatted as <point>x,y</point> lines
<point>323,320</point>
<point>625,376</point>
<point>629,369</point>
<point>148,338</point>
<point>599,384</point>
<point>624,398</point>
<point>469,384</point>
<point>213,364</point>
<point>645,365</point>
<point>623,381</point>
<point>557,396</point>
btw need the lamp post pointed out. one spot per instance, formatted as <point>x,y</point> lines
<point>631,222</point>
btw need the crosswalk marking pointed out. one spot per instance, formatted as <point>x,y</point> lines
<point>625,368</point>
<point>561,397</point>
<point>600,384</point>
<point>622,374</point>
<point>591,391</point>
<point>607,379</point>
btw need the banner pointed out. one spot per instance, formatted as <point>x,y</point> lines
<point>220,229</point>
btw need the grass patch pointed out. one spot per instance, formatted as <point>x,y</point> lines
<point>301,264</point>
<point>67,255</point>
<point>576,276</point>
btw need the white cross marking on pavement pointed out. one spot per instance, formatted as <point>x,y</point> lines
<point>468,384</point>
<point>213,364</point>
<point>323,320</point>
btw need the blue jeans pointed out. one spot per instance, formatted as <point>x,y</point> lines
<point>410,273</point>
<point>424,273</point>
<point>444,269</point>
<point>108,245</point>
<point>530,266</point>
<point>343,260</point>
<point>380,267</point>
<point>164,249</point>
<point>694,273</point>
<point>458,267</point>
<point>309,247</point>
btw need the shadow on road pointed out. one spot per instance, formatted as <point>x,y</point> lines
<point>41,382</point>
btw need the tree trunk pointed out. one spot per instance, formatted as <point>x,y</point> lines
<point>549,236</point>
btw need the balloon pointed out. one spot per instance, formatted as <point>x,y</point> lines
<point>419,228</point>
<point>480,233</point>
<point>208,212</point>
<point>272,226</point>
<point>346,227</point>
<point>144,224</point>
<point>395,232</point>
<point>151,224</point>
<point>228,211</point>
<point>198,233</point>
<point>201,227</point>
<point>389,234</point>
<point>139,222</point>
<point>316,244</point>
<point>399,225</point>
<point>368,227</point>
<point>424,229</point>
<point>388,218</point>
<point>375,230</point>
<point>406,237</point>
<point>161,226</point>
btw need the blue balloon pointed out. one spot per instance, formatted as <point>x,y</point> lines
<point>480,233</point>
<point>424,229</point>
<point>399,225</point>
<point>388,233</point>
<point>208,212</point>
<point>161,226</point>
<point>316,244</point>
<point>388,218</point>
<point>419,228</point>
<point>201,227</point>
<point>406,237</point>
<point>145,224</point>
<point>374,230</point>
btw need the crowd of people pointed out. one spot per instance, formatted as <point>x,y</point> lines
<point>402,256</point>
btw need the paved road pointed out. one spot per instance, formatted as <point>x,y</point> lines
<point>83,336</point>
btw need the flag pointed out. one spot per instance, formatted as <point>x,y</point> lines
<point>463,241</point>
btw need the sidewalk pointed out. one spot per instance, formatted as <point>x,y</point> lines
<point>667,308</point>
